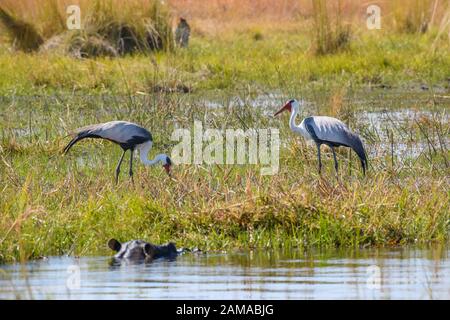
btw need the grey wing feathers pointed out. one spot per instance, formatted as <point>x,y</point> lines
<point>334,132</point>
<point>141,134</point>
<point>310,128</point>
<point>356,144</point>
<point>351,140</point>
<point>80,134</point>
<point>88,129</point>
<point>124,133</point>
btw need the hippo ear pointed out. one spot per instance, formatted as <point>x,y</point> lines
<point>114,245</point>
<point>149,249</point>
<point>171,246</point>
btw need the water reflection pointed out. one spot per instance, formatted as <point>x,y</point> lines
<point>399,273</point>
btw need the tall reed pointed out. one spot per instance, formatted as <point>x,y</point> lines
<point>22,34</point>
<point>109,27</point>
<point>413,16</point>
<point>329,38</point>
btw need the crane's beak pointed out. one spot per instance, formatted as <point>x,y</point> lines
<point>287,106</point>
<point>167,167</point>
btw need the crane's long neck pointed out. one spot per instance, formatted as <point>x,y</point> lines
<point>144,150</point>
<point>300,129</point>
<point>292,124</point>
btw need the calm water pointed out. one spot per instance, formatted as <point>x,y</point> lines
<point>400,273</point>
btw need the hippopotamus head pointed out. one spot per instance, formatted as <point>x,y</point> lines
<point>141,251</point>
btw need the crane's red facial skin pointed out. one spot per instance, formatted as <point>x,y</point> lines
<point>287,106</point>
<point>167,167</point>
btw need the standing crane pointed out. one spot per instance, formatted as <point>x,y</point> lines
<point>129,136</point>
<point>325,130</point>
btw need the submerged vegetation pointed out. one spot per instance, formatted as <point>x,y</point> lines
<point>390,87</point>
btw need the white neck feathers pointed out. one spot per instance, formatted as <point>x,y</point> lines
<point>143,153</point>
<point>300,129</point>
<point>292,124</point>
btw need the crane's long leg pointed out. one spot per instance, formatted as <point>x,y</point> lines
<point>335,160</point>
<point>318,156</point>
<point>131,164</point>
<point>118,166</point>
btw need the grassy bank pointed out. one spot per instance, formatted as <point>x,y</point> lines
<point>50,204</point>
<point>69,205</point>
<point>281,60</point>
<point>232,49</point>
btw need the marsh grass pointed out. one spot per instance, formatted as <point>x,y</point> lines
<point>108,28</point>
<point>113,28</point>
<point>22,34</point>
<point>331,35</point>
<point>281,60</point>
<point>55,205</point>
<point>137,27</point>
<point>414,16</point>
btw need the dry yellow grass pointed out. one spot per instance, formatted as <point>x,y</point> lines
<point>212,15</point>
<point>107,26</point>
<point>218,15</point>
